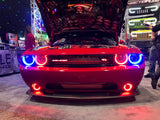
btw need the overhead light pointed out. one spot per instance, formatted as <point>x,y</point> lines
<point>153,8</point>
<point>131,22</point>
<point>22,38</point>
<point>133,10</point>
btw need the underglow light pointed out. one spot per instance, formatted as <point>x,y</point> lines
<point>27,57</point>
<point>121,59</point>
<point>137,61</point>
<point>128,87</point>
<point>41,60</point>
<point>59,60</point>
<point>36,87</point>
<point>132,10</point>
<point>153,8</point>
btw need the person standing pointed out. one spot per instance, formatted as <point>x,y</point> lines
<point>156,38</point>
<point>152,58</point>
<point>30,40</point>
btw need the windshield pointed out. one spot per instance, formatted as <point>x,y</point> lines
<point>85,38</point>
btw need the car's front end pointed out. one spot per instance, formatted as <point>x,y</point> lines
<point>111,70</point>
<point>84,60</point>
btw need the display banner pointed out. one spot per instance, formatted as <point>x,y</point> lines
<point>15,61</point>
<point>6,62</point>
<point>16,54</point>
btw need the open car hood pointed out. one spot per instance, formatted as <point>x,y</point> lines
<point>67,15</point>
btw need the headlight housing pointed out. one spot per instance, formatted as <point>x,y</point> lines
<point>41,60</point>
<point>135,59</point>
<point>28,60</point>
<point>121,59</point>
<point>130,59</point>
<point>33,60</point>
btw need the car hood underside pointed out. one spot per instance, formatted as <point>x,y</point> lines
<point>67,15</point>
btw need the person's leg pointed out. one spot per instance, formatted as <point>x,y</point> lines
<point>156,75</point>
<point>152,61</point>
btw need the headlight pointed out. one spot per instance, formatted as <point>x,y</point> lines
<point>28,60</point>
<point>41,60</point>
<point>130,59</point>
<point>121,59</point>
<point>135,58</point>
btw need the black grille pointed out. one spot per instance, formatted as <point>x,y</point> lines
<point>80,60</point>
<point>53,87</point>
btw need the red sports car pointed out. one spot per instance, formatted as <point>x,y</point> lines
<point>85,59</point>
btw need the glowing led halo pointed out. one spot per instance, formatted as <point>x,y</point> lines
<point>41,64</point>
<point>36,87</point>
<point>128,87</point>
<point>25,62</point>
<point>121,63</point>
<point>138,61</point>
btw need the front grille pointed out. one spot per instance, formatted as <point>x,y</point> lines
<point>80,60</point>
<point>58,87</point>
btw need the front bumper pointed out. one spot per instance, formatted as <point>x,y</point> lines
<point>83,96</point>
<point>117,75</point>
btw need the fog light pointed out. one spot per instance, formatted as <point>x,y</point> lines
<point>125,94</point>
<point>38,93</point>
<point>36,87</point>
<point>127,87</point>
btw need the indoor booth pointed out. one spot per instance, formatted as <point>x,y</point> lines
<point>10,57</point>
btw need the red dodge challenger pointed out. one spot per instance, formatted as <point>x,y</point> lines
<point>84,59</point>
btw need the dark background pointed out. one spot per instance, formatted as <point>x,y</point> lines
<point>15,15</point>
